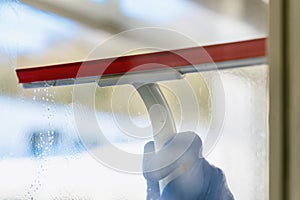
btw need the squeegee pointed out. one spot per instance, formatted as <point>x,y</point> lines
<point>143,71</point>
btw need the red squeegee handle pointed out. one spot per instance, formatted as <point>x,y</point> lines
<point>115,66</point>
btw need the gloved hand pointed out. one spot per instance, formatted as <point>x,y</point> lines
<point>198,180</point>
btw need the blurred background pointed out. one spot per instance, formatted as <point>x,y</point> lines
<point>43,32</point>
<point>41,156</point>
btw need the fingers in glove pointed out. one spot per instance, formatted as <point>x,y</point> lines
<point>182,149</point>
<point>153,191</point>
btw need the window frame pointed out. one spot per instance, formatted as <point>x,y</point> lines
<point>283,45</point>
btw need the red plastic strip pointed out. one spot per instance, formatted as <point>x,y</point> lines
<point>114,66</point>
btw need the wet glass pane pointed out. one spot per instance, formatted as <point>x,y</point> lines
<point>242,149</point>
<point>229,20</point>
<point>42,148</point>
<point>58,145</point>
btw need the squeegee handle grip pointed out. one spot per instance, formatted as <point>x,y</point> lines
<point>161,118</point>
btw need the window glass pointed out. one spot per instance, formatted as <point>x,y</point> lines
<point>45,153</point>
<point>42,153</point>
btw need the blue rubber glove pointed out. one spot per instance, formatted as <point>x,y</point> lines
<point>199,180</point>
